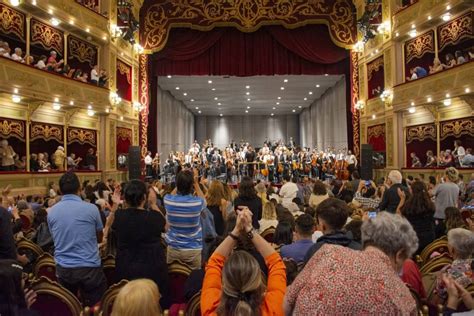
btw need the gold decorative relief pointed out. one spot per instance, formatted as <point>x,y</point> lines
<point>420,45</point>
<point>12,22</point>
<point>145,101</point>
<point>420,133</point>
<point>46,36</point>
<point>15,128</point>
<point>81,136</point>
<point>82,51</point>
<point>124,133</point>
<point>374,66</point>
<point>112,145</point>
<point>457,128</point>
<point>375,131</point>
<point>46,132</point>
<point>124,69</point>
<point>455,30</point>
<point>389,141</point>
<point>387,59</point>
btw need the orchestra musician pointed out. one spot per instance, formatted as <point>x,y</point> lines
<point>155,164</point>
<point>250,157</point>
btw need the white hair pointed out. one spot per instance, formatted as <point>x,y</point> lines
<point>395,177</point>
<point>462,240</point>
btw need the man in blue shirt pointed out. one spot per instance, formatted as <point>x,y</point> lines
<point>303,236</point>
<point>76,229</point>
<point>183,214</point>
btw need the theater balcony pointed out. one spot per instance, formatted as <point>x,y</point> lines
<point>437,88</point>
<point>36,84</point>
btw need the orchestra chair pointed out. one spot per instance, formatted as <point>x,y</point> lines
<point>439,245</point>
<point>30,249</point>
<point>178,273</point>
<point>107,301</point>
<point>54,300</point>
<point>108,265</point>
<point>193,308</point>
<point>45,266</point>
<point>268,234</point>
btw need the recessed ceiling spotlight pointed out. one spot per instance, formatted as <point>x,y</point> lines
<point>71,102</point>
<point>56,106</point>
<point>278,103</point>
<point>16,98</point>
<point>104,38</point>
<point>216,98</point>
<point>15,3</point>
<point>218,103</point>
<point>121,118</point>
<point>247,87</point>
<point>15,90</point>
<point>88,30</point>
<point>71,21</point>
<point>447,95</point>
<point>413,26</point>
<point>221,114</point>
<point>50,11</point>
<point>247,93</point>
<point>299,106</point>
<point>197,107</point>
<point>107,110</point>
<point>397,34</point>
<point>412,110</point>
<point>373,116</point>
<point>177,88</point>
<point>272,114</point>
<point>169,77</point>
<point>56,99</point>
<point>429,99</point>
<point>294,111</point>
<point>246,111</point>
<point>213,89</point>
<point>209,81</point>
<point>285,81</point>
<point>273,108</point>
<point>448,7</point>
<point>412,103</point>
<point>447,102</point>
<point>279,98</point>
<point>185,94</point>
<point>192,100</point>
<point>446,17</point>
<point>317,86</point>
<point>248,107</point>
<point>282,88</point>
<point>467,90</point>
<point>306,99</point>
<point>311,92</point>
<point>249,99</point>
<point>429,17</point>
<point>199,112</point>
<point>326,75</point>
<point>55,22</point>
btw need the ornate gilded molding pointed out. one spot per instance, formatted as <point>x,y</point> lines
<point>46,132</point>
<point>12,22</point>
<point>454,31</point>
<point>12,128</point>
<point>355,99</point>
<point>457,128</point>
<point>125,70</point>
<point>144,98</point>
<point>374,66</point>
<point>124,133</point>
<point>81,136</point>
<point>389,146</point>
<point>375,131</point>
<point>157,18</point>
<point>112,145</point>
<point>82,51</point>
<point>420,45</point>
<point>46,36</point>
<point>420,133</point>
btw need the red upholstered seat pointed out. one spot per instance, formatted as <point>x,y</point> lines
<point>45,266</point>
<point>178,273</point>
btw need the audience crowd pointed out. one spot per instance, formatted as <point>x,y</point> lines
<point>312,248</point>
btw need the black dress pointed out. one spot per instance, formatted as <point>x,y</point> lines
<point>255,206</point>
<point>139,250</point>
<point>219,223</point>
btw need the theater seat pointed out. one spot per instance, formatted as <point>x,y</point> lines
<point>436,263</point>
<point>108,299</point>
<point>45,266</point>
<point>193,308</point>
<point>53,299</point>
<point>29,248</point>
<point>178,273</point>
<point>268,234</point>
<point>440,245</point>
<point>108,265</point>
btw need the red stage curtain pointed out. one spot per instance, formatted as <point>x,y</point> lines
<point>269,51</point>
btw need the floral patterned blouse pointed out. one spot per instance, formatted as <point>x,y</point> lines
<point>341,281</point>
<point>461,271</point>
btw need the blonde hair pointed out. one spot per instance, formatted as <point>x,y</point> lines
<point>269,211</point>
<point>215,194</point>
<point>452,174</point>
<point>242,286</point>
<point>137,298</point>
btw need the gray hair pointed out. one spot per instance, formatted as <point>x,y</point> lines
<point>395,176</point>
<point>390,233</point>
<point>462,240</point>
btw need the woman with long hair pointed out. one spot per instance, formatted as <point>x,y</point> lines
<point>269,217</point>
<point>234,285</point>
<point>217,205</point>
<point>137,298</point>
<point>453,219</point>
<point>419,211</point>
<point>248,197</point>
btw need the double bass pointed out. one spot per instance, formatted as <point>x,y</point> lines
<point>341,169</point>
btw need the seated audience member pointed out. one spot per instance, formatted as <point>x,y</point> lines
<point>269,217</point>
<point>77,74</point>
<point>417,73</point>
<point>103,78</point>
<point>233,283</point>
<point>29,60</point>
<point>183,215</point>
<point>76,228</point>
<point>73,162</point>
<point>138,231</point>
<point>411,275</point>
<point>2,47</point>
<point>217,205</point>
<point>456,294</point>
<point>34,164</point>
<point>302,239</point>
<point>320,193</point>
<point>354,227</point>
<point>52,64</point>
<point>20,164</point>
<point>446,193</point>
<point>437,66</point>
<point>366,195</point>
<point>83,78</point>
<point>91,160</point>
<point>390,199</point>
<point>459,57</point>
<point>7,156</point>
<point>43,163</point>
<point>14,298</point>
<point>95,75</point>
<point>331,216</point>
<point>450,61</point>
<point>6,50</point>
<point>41,64</point>
<point>468,160</point>
<point>461,248</point>
<point>415,161</point>
<point>418,209</point>
<point>283,235</point>
<point>137,298</point>
<point>18,55</point>
<point>291,271</point>
<point>431,160</point>
<point>248,197</point>
<point>261,192</point>
<point>341,281</point>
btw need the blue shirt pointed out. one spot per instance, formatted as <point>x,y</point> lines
<point>183,213</point>
<point>73,225</point>
<point>296,250</point>
<point>420,72</point>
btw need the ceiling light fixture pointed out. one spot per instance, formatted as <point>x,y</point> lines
<point>279,98</point>
<point>249,99</point>
<point>56,100</point>
<point>185,94</point>
<point>16,98</point>
<point>107,110</point>
<point>397,34</point>
<point>326,75</point>
<point>282,88</point>
<point>216,98</point>
<point>199,112</point>
<point>412,33</point>
<point>317,86</point>
<point>448,95</point>
<point>467,90</point>
<point>412,103</point>
<point>294,111</point>
<point>213,89</point>
<point>278,103</point>
<point>121,118</point>
<point>56,106</point>
<point>177,88</point>
<point>285,81</point>
<point>429,99</point>
<point>192,100</point>
<point>273,108</point>
<point>197,107</point>
<point>88,30</point>
<point>429,17</point>
<point>247,87</point>
<point>447,102</point>
<point>446,17</point>
<point>311,92</point>
<point>218,103</point>
<point>209,81</point>
<point>15,91</point>
<point>306,99</point>
<point>272,114</point>
<point>169,77</point>
<point>221,115</point>
<point>299,106</point>
<point>448,7</point>
<point>412,110</point>
<point>15,3</point>
<point>71,102</point>
<point>248,107</point>
<point>55,22</point>
<point>246,111</point>
<point>373,116</point>
<point>247,93</point>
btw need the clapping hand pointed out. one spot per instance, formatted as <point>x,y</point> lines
<point>116,195</point>
<point>6,190</point>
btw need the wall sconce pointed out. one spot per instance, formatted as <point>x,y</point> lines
<point>359,47</point>
<point>138,48</point>
<point>137,106</point>
<point>386,96</point>
<point>384,28</point>
<point>360,105</point>
<point>15,3</point>
<point>115,31</point>
<point>114,98</point>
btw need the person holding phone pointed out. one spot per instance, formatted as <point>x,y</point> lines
<point>366,194</point>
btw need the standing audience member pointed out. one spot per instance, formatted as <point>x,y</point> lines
<point>76,228</point>
<point>183,215</point>
<point>248,197</point>
<point>320,193</point>
<point>217,205</point>
<point>303,239</point>
<point>390,199</point>
<point>269,217</point>
<point>341,281</point>
<point>446,194</point>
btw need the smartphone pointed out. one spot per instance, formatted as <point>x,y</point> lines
<point>10,209</point>
<point>367,183</point>
<point>372,214</point>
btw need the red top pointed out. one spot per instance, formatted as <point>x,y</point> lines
<point>411,275</point>
<point>276,286</point>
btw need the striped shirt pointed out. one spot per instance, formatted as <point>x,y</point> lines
<point>183,213</point>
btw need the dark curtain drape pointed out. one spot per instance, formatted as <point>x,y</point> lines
<point>271,50</point>
<point>420,147</point>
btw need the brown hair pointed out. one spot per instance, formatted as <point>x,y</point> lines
<point>319,188</point>
<point>215,193</point>
<point>242,286</point>
<point>136,298</point>
<point>269,211</point>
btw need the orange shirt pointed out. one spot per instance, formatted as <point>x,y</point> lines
<point>276,286</point>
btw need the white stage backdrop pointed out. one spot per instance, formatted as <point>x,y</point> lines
<point>175,124</point>
<point>252,128</point>
<point>324,123</point>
